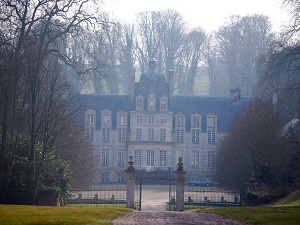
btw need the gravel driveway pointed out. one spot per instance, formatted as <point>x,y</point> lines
<point>172,218</point>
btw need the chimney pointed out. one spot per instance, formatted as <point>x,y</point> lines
<point>171,72</point>
<point>132,83</point>
<point>152,65</point>
<point>235,95</point>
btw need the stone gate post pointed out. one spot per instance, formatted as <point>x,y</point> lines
<point>180,186</point>
<point>130,184</point>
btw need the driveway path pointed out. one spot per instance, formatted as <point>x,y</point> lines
<point>155,197</point>
<point>172,218</point>
<point>154,206</point>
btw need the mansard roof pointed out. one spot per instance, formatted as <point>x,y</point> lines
<point>225,110</point>
<point>113,103</point>
<point>222,106</point>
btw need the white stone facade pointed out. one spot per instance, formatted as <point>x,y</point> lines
<point>156,128</point>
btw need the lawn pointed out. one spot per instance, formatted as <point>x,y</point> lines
<point>47,215</point>
<point>18,214</point>
<point>267,215</point>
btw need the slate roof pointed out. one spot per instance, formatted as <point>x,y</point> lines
<point>222,106</point>
<point>114,103</point>
<point>226,110</point>
<point>158,85</point>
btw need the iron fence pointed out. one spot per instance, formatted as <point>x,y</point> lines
<point>115,195</point>
<point>211,196</point>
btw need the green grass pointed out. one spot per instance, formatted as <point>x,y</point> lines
<point>267,215</point>
<point>18,214</point>
<point>47,215</point>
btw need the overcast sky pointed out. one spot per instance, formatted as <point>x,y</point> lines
<point>208,14</point>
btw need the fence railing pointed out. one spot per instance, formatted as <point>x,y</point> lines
<point>211,196</point>
<point>98,195</point>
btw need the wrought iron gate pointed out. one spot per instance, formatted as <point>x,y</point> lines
<point>156,178</point>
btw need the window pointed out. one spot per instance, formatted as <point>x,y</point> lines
<point>179,135</point>
<point>138,157</point>
<point>195,135</point>
<point>151,119</point>
<point>122,119</point>
<point>195,158</point>
<point>150,134</point>
<point>162,135</point>
<point>139,134</point>
<point>211,159</point>
<point>150,157</point>
<point>163,105</point>
<point>105,134</point>
<point>179,153</point>
<point>195,121</point>
<point>90,119</point>
<point>211,121</point>
<point>121,134</point>
<point>139,103</point>
<point>121,177</point>
<point>121,157</point>
<point>139,119</point>
<point>180,121</point>
<point>106,119</point>
<point>105,157</point>
<point>89,131</point>
<point>163,158</point>
<point>211,136</point>
<point>105,177</point>
<point>163,120</point>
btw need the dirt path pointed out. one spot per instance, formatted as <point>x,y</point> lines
<point>173,218</point>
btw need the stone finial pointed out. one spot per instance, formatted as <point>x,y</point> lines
<point>180,165</point>
<point>130,167</point>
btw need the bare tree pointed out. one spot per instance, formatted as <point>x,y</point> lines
<point>149,38</point>
<point>191,55</point>
<point>33,31</point>
<point>127,56</point>
<point>173,32</point>
<point>294,8</point>
<point>211,60</point>
<point>279,68</point>
<point>254,151</point>
<point>240,43</point>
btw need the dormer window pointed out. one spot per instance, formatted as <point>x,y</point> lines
<point>139,103</point>
<point>106,118</point>
<point>211,120</point>
<point>196,120</point>
<point>122,119</point>
<point>90,117</point>
<point>180,120</point>
<point>151,102</point>
<point>163,104</point>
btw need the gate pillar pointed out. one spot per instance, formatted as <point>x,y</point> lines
<point>130,184</point>
<point>180,186</point>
